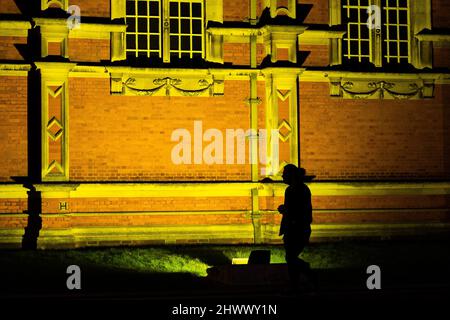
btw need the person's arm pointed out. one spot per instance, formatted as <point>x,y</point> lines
<point>282,208</point>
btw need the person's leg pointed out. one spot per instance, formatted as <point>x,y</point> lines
<point>293,248</point>
<point>305,267</point>
<point>302,243</point>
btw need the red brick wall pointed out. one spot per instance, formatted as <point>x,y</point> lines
<point>89,50</point>
<point>319,11</point>
<point>13,127</point>
<point>318,55</point>
<point>440,10</point>
<point>129,138</point>
<point>235,10</point>
<point>105,220</point>
<point>411,216</point>
<point>260,7</point>
<point>239,53</point>
<point>9,7</point>
<point>9,222</point>
<point>13,205</point>
<point>441,54</point>
<point>90,8</point>
<point>446,119</point>
<point>369,139</point>
<point>8,49</point>
<point>54,48</point>
<point>236,53</point>
<point>114,204</point>
<point>380,202</point>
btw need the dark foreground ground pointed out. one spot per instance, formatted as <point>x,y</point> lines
<point>159,282</point>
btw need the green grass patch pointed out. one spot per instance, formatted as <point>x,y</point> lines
<point>197,259</point>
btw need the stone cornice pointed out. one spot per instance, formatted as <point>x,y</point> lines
<point>326,75</point>
<point>319,36</point>
<point>7,69</point>
<point>222,189</point>
<point>86,30</point>
<point>256,31</point>
<point>433,37</point>
<point>79,70</point>
<point>14,28</point>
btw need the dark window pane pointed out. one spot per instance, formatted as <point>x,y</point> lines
<point>353,31</point>
<point>344,47</point>
<point>197,26</point>
<point>403,17</point>
<point>364,32</point>
<point>353,15</point>
<point>142,8</point>
<point>142,54</point>
<point>392,16</point>
<point>364,15</point>
<point>185,10</point>
<point>154,8</point>
<point>393,32</point>
<point>174,26</point>
<point>354,47</point>
<point>174,9</point>
<point>404,49</point>
<point>344,16</point>
<point>174,43</point>
<point>174,55</point>
<point>154,25</point>
<point>392,3</point>
<point>404,33</point>
<point>197,43</point>
<point>142,25</point>
<point>364,2</point>
<point>197,55</point>
<point>185,55</point>
<point>185,26</point>
<point>365,48</point>
<point>154,42</point>
<point>142,42</point>
<point>403,3</point>
<point>131,25</point>
<point>131,41</point>
<point>154,55</point>
<point>196,10</point>
<point>131,8</point>
<point>185,43</point>
<point>393,49</point>
<point>384,48</point>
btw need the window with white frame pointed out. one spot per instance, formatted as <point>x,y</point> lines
<point>387,44</point>
<point>165,29</point>
<point>395,29</point>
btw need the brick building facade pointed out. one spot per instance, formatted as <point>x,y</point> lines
<point>89,110</point>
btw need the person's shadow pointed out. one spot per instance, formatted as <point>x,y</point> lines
<point>34,225</point>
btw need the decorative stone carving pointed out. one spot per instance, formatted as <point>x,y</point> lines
<point>399,90</point>
<point>54,120</point>
<point>167,86</point>
<point>63,4</point>
<point>277,8</point>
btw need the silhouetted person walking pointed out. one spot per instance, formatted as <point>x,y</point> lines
<point>296,222</point>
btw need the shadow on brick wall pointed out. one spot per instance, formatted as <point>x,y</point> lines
<point>34,223</point>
